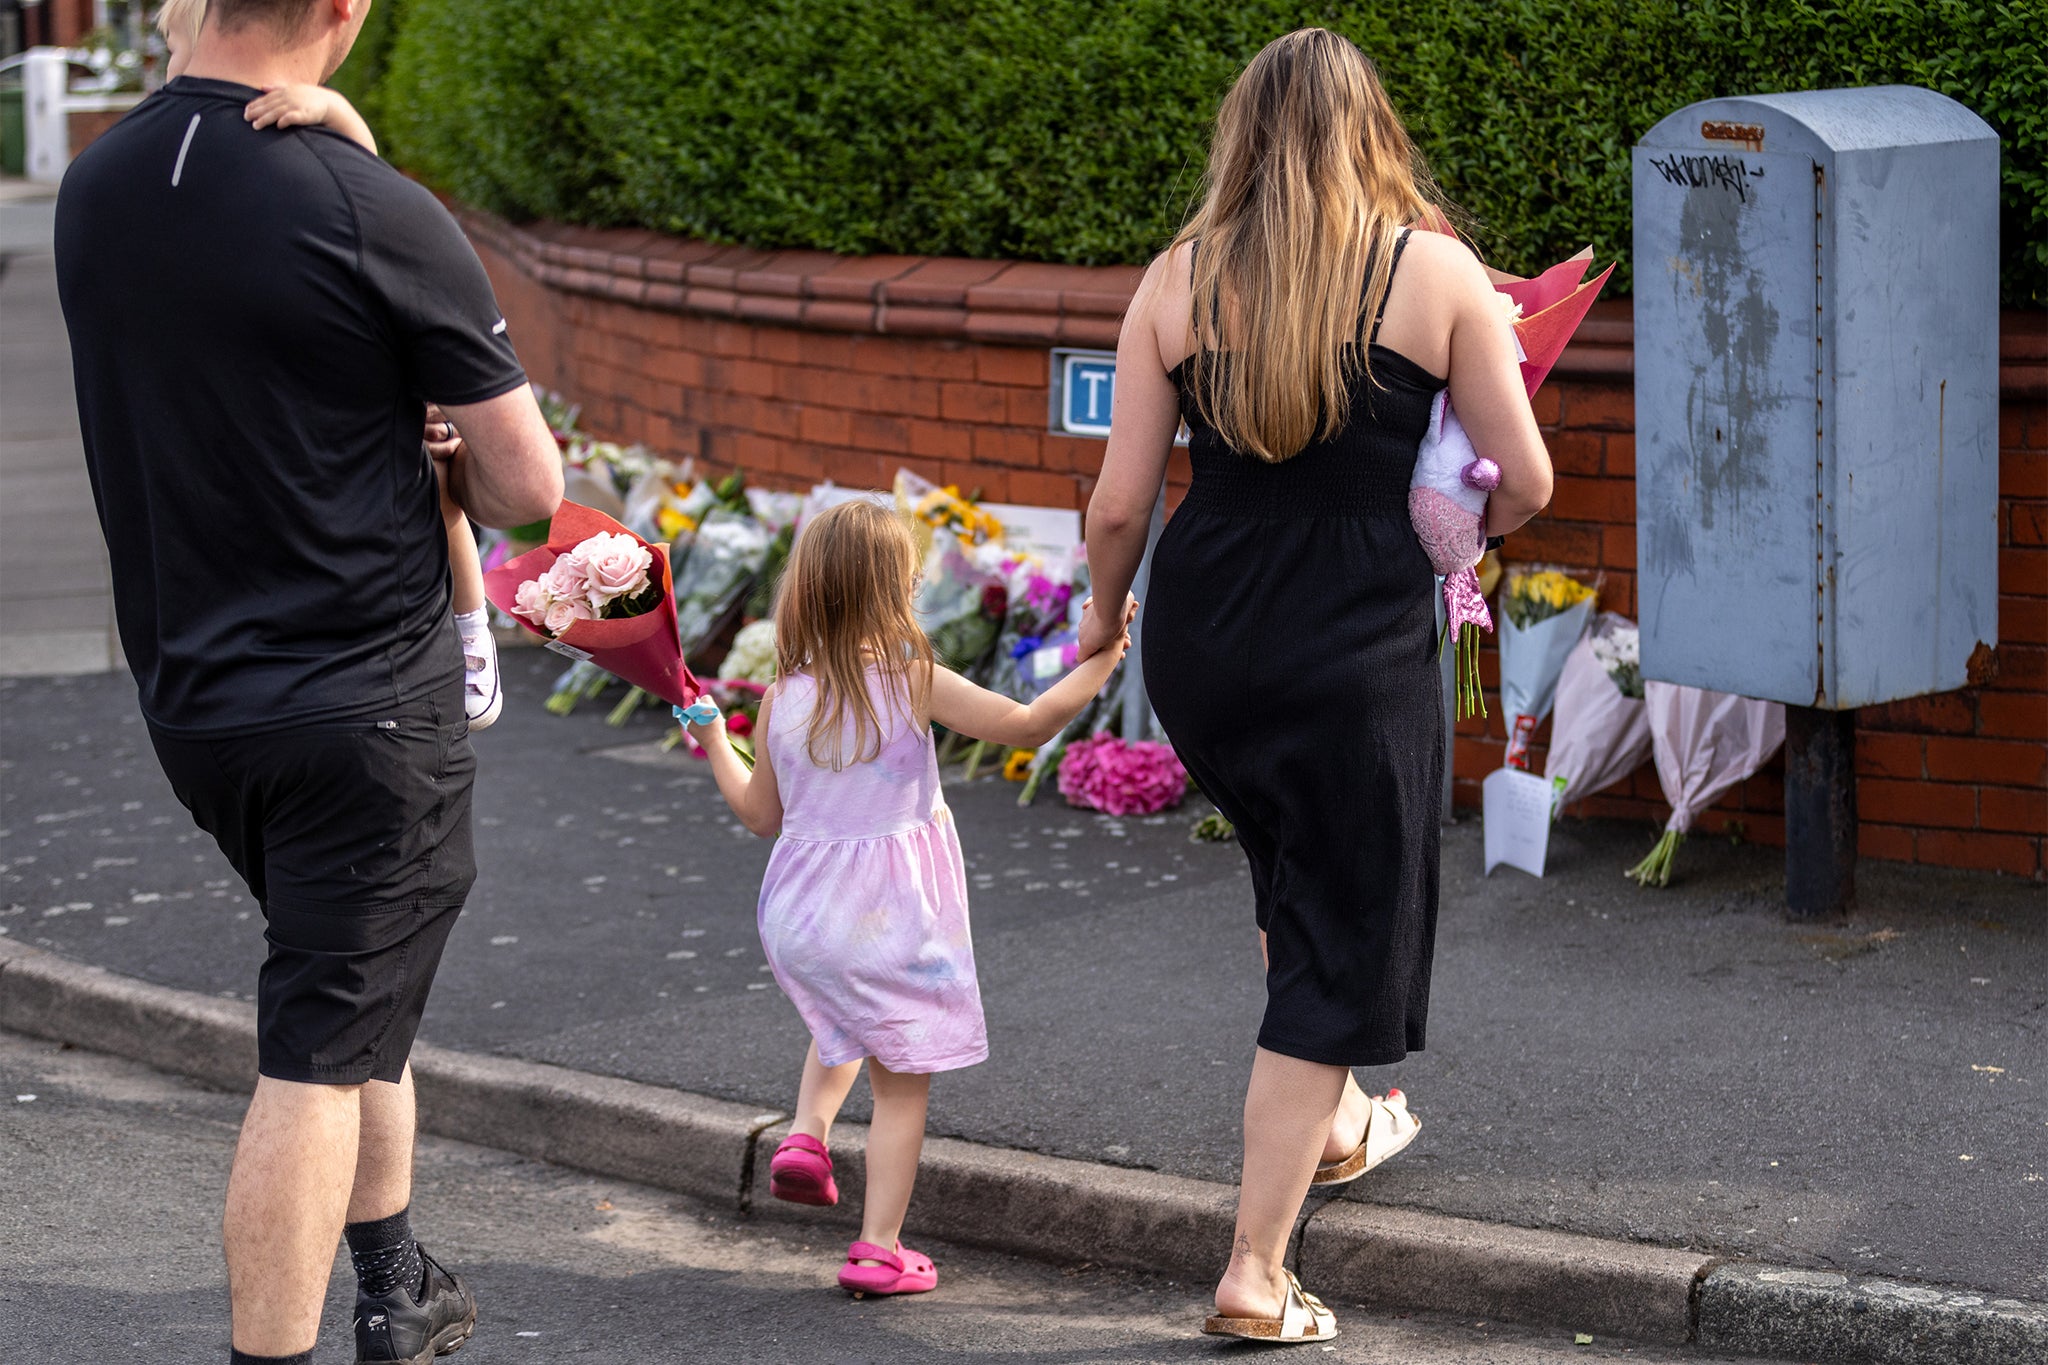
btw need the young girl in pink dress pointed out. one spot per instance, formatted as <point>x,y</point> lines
<point>863,911</point>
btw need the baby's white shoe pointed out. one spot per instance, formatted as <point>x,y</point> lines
<point>483,696</point>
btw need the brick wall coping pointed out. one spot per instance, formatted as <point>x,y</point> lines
<point>1028,303</point>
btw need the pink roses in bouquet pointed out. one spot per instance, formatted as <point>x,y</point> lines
<point>1104,773</point>
<point>597,592</point>
<point>608,575</point>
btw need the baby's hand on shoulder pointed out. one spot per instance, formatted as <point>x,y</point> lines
<point>291,106</point>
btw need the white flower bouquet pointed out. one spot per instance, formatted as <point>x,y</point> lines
<point>726,555</point>
<point>1600,734</point>
<point>752,657</point>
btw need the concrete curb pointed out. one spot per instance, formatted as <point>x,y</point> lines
<point>1046,1207</point>
<point>1057,1209</point>
<point>183,1032</point>
<point>1499,1272</point>
<point>1821,1315</point>
<point>665,1138</point>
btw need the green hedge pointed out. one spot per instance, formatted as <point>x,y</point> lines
<point>361,77</point>
<point>1072,130</point>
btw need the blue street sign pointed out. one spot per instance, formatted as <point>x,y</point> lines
<point>1083,391</point>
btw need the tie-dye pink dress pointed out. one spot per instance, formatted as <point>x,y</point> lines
<point>864,907</point>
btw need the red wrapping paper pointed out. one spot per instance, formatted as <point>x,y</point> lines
<point>642,650</point>
<point>1553,306</point>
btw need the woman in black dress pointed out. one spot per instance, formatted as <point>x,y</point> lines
<point>1302,332</point>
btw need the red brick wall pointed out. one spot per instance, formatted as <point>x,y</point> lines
<point>57,23</point>
<point>794,407</point>
<point>1959,779</point>
<point>86,126</point>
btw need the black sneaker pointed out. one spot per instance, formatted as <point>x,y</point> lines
<point>399,1329</point>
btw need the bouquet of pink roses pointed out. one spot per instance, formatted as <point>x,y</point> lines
<point>598,592</point>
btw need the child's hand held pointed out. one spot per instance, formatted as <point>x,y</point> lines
<point>700,712</point>
<point>441,438</point>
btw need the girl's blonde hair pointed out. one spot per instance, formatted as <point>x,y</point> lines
<point>845,607</point>
<point>182,17</point>
<point>1311,178</point>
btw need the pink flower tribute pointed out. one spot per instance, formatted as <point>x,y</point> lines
<point>613,566</point>
<point>1106,774</point>
<point>596,591</point>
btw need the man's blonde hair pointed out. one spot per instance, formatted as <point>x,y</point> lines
<point>182,17</point>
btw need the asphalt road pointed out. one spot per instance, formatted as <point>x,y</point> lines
<point>1680,1067</point>
<point>109,1251</point>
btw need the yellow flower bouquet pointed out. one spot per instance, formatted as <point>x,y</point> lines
<point>1538,596</point>
<point>1543,614</point>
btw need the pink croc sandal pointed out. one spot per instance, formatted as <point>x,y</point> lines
<point>801,1171</point>
<point>901,1271</point>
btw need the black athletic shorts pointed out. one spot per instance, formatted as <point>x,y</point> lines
<point>354,836</point>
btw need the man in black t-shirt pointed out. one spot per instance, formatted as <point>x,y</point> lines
<point>257,320</point>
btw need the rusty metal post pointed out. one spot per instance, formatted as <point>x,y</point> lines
<point>1820,812</point>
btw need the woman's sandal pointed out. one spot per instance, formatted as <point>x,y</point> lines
<point>801,1172</point>
<point>901,1271</point>
<point>1302,1318</point>
<point>1388,1128</point>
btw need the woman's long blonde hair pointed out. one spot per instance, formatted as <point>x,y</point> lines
<point>1311,178</point>
<point>845,607</point>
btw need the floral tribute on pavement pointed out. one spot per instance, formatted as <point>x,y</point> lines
<point>1001,599</point>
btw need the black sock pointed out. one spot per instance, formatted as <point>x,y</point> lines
<point>387,1258</point>
<point>244,1358</point>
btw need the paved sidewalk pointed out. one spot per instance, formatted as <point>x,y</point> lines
<point>56,603</point>
<point>1682,1068</point>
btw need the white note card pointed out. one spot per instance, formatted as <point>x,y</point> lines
<point>1517,820</point>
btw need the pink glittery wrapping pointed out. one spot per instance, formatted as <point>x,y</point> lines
<point>1462,603</point>
<point>1450,535</point>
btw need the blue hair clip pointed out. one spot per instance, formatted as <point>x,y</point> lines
<point>699,712</point>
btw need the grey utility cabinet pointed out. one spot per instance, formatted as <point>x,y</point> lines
<point>1816,322</point>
